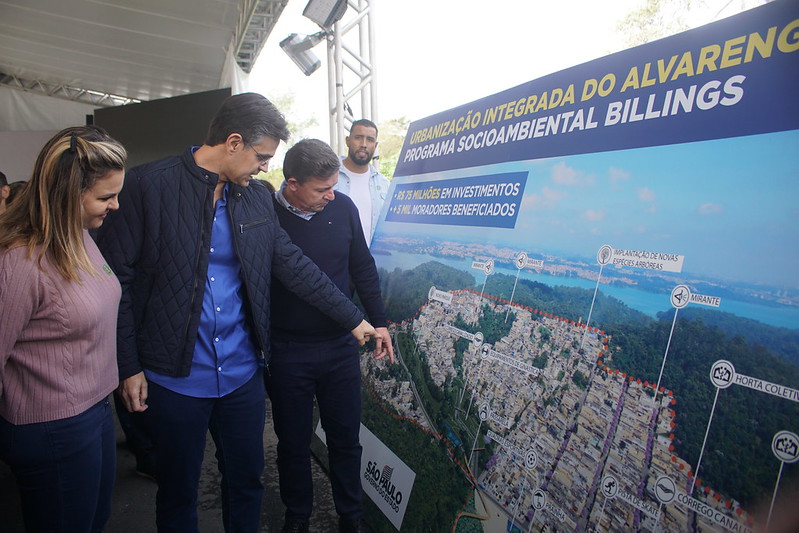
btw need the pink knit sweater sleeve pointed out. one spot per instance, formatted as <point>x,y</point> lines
<point>18,294</point>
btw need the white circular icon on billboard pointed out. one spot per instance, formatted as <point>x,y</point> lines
<point>539,499</point>
<point>483,413</point>
<point>785,446</point>
<point>530,459</point>
<point>610,487</point>
<point>521,260</point>
<point>485,349</point>
<point>477,339</point>
<point>488,267</point>
<point>665,489</point>
<point>604,255</point>
<point>680,296</point>
<point>722,374</point>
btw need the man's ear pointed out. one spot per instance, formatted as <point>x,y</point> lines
<point>292,183</point>
<point>234,142</point>
<point>5,190</point>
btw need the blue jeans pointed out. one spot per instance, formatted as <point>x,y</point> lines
<point>64,469</point>
<point>331,372</point>
<point>179,425</point>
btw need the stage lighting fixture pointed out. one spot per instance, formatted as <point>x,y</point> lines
<point>325,12</point>
<point>299,50</point>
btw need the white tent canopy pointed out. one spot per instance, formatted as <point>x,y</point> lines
<point>61,59</point>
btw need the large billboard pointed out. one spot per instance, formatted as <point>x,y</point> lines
<point>593,287</point>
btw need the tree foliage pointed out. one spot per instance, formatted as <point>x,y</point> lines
<point>297,124</point>
<point>440,487</point>
<point>655,19</point>
<point>404,291</point>
<point>737,460</point>
<point>391,136</point>
<point>782,341</point>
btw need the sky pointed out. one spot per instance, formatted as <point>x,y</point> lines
<point>721,204</point>
<point>433,55</point>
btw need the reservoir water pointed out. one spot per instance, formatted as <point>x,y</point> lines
<point>648,303</point>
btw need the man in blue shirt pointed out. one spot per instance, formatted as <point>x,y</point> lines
<point>195,245</point>
<point>313,356</point>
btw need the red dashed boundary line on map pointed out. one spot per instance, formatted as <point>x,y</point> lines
<point>679,464</point>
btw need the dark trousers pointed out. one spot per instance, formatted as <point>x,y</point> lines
<point>329,371</point>
<point>179,425</point>
<point>137,435</point>
<point>64,469</point>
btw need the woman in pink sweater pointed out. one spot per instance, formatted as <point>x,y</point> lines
<point>58,309</point>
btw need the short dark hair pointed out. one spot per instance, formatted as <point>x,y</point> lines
<point>13,190</point>
<point>250,115</point>
<point>364,122</point>
<point>3,180</point>
<point>310,158</point>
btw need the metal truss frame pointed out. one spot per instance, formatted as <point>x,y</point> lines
<point>351,54</point>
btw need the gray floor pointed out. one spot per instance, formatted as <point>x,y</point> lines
<point>134,496</point>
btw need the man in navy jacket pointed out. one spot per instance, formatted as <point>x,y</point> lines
<point>312,355</point>
<point>195,245</point>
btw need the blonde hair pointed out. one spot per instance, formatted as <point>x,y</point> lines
<point>47,213</point>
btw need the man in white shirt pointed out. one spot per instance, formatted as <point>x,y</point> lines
<point>359,179</point>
